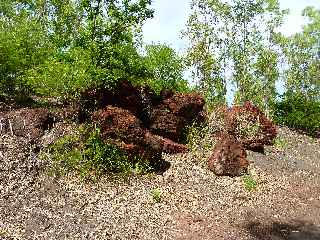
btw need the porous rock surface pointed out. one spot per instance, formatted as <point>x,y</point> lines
<point>228,157</point>
<point>242,118</point>
<point>139,121</point>
<point>175,112</point>
<point>26,122</point>
<point>122,128</point>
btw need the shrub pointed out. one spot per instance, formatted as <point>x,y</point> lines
<point>280,143</point>
<point>298,112</point>
<point>165,68</point>
<point>202,136</point>
<point>86,154</point>
<point>249,182</point>
<point>63,76</point>
<point>156,194</point>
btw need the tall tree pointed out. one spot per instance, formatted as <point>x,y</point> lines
<point>234,41</point>
<point>302,52</point>
<point>166,68</point>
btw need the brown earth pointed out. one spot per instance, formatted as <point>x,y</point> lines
<point>195,204</point>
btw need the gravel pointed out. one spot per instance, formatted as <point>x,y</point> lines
<point>194,203</point>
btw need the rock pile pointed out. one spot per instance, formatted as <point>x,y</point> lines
<point>237,129</point>
<point>141,122</point>
<point>145,124</point>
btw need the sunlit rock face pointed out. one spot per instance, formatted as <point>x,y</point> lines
<point>228,157</point>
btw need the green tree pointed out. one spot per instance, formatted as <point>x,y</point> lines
<point>299,106</point>
<point>23,45</point>
<point>166,68</point>
<point>72,43</point>
<point>232,42</point>
<point>302,52</point>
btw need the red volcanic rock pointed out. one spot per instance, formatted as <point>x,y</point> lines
<point>29,123</point>
<point>250,126</point>
<point>128,97</point>
<point>166,114</point>
<point>119,123</point>
<point>168,146</point>
<point>171,147</point>
<point>122,128</point>
<point>141,122</point>
<point>228,157</point>
<point>185,105</point>
<point>93,99</point>
<point>166,124</point>
<point>170,118</point>
<point>137,100</point>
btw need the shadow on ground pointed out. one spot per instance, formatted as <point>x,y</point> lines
<point>296,230</point>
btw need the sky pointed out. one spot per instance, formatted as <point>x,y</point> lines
<point>171,17</point>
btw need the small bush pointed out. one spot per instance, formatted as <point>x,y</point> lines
<point>245,128</point>
<point>249,182</point>
<point>298,112</point>
<point>86,154</point>
<point>280,143</point>
<point>156,194</point>
<point>199,138</point>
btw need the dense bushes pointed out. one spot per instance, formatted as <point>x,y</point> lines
<point>23,45</point>
<point>165,67</point>
<point>63,76</point>
<point>85,153</point>
<point>297,111</point>
<point>76,45</point>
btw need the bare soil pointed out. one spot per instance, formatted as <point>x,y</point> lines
<point>195,204</point>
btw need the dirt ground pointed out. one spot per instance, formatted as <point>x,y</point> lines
<point>194,203</point>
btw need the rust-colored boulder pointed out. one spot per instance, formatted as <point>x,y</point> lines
<point>140,121</point>
<point>167,124</point>
<point>137,100</point>
<point>185,105</point>
<point>250,126</point>
<point>228,157</point>
<point>171,147</point>
<point>122,128</point>
<point>92,100</point>
<point>128,97</point>
<point>118,123</point>
<point>176,111</point>
<point>25,122</point>
<point>168,146</point>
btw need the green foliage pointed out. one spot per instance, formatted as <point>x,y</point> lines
<point>64,76</point>
<point>297,111</point>
<point>301,51</point>
<point>245,128</point>
<point>58,48</point>
<point>199,138</point>
<point>280,143</point>
<point>231,43</point>
<point>156,194</point>
<point>166,68</point>
<point>23,45</point>
<point>86,154</point>
<point>249,182</point>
